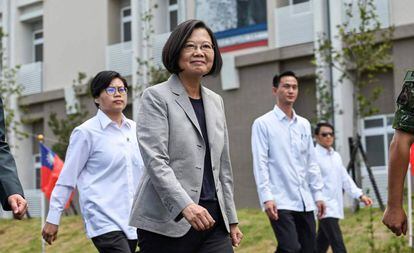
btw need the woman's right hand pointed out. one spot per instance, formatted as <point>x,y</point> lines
<point>199,218</point>
<point>49,232</point>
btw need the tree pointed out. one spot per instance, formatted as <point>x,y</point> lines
<point>10,89</point>
<point>365,52</point>
<point>62,128</point>
<point>148,72</point>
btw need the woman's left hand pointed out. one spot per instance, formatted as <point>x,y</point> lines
<point>236,235</point>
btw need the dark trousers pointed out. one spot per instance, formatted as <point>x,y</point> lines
<point>295,232</point>
<point>215,240</point>
<point>114,242</point>
<point>329,233</point>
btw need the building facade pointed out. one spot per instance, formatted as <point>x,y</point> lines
<point>53,41</point>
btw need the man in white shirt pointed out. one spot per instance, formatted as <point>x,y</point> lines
<point>104,162</point>
<point>287,176</point>
<point>336,179</point>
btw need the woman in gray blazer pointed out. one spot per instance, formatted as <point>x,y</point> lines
<point>184,202</point>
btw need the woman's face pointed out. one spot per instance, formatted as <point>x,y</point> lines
<point>197,55</point>
<point>113,99</point>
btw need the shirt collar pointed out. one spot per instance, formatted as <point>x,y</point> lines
<point>324,150</point>
<point>106,121</point>
<point>281,114</point>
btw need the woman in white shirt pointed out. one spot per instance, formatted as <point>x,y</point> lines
<point>103,161</point>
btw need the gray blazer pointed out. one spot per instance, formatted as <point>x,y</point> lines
<point>173,151</point>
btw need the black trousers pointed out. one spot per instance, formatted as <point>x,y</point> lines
<point>295,232</point>
<point>114,242</point>
<point>329,233</point>
<point>215,240</point>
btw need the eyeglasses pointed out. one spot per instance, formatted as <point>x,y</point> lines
<point>205,47</point>
<point>112,90</point>
<point>326,134</point>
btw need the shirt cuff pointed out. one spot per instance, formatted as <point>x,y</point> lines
<point>358,194</point>
<point>53,216</point>
<point>266,196</point>
<point>317,195</point>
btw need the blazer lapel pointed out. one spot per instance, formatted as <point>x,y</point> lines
<point>183,101</point>
<point>210,111</point>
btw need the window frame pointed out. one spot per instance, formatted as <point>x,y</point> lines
<point>37,42</point>
<point>383,130</point>
<point>37,165</point>
<point>125,19</point>
<point>171,8</point>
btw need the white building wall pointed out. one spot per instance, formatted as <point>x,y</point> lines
<point>401,12</point>
<point>75,35</point>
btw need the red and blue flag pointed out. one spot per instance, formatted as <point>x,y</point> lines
<point>51,167</point>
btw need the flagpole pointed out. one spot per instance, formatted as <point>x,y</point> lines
<point>409,193</point>
<point>40,138</point>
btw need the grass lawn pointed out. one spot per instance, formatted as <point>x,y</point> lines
<point>24,236</point>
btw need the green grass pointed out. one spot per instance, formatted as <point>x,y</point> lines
<point>24,236</point>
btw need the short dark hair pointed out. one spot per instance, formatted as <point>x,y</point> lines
<point>276,78</point>
<point>102,80</point>
<point>323,124</point>
<point>176,41</point>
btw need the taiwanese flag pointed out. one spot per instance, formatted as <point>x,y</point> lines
<point>51,167</point>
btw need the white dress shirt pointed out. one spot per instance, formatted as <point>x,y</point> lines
<point>284,163</point>
<point>104,162</point>
<point>335,180</point>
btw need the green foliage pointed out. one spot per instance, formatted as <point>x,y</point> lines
<point>370,228</point>
<point>158,74</point>
<point>24,236</point>
<point>364,54</point>
<point>149,73</point>
<point>63,127</point>
<point>10,89</point>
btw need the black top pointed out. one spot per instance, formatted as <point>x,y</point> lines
<point>208,191</point>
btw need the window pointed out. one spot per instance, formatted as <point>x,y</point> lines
<point>299,1</point>
<point>375,150</point>
<point>376,135</point>
<point>172,14</point>
<point>126,24</point>
<point>373,123</point>
<point>38,45</point>
<point>225,15</point>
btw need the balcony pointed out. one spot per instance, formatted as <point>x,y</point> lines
<point>294,24</point>
<point>30,77</point>
<point>30,10</point>
<point>159,41</point>
<point>25,3</point>
<point>119,58</point>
